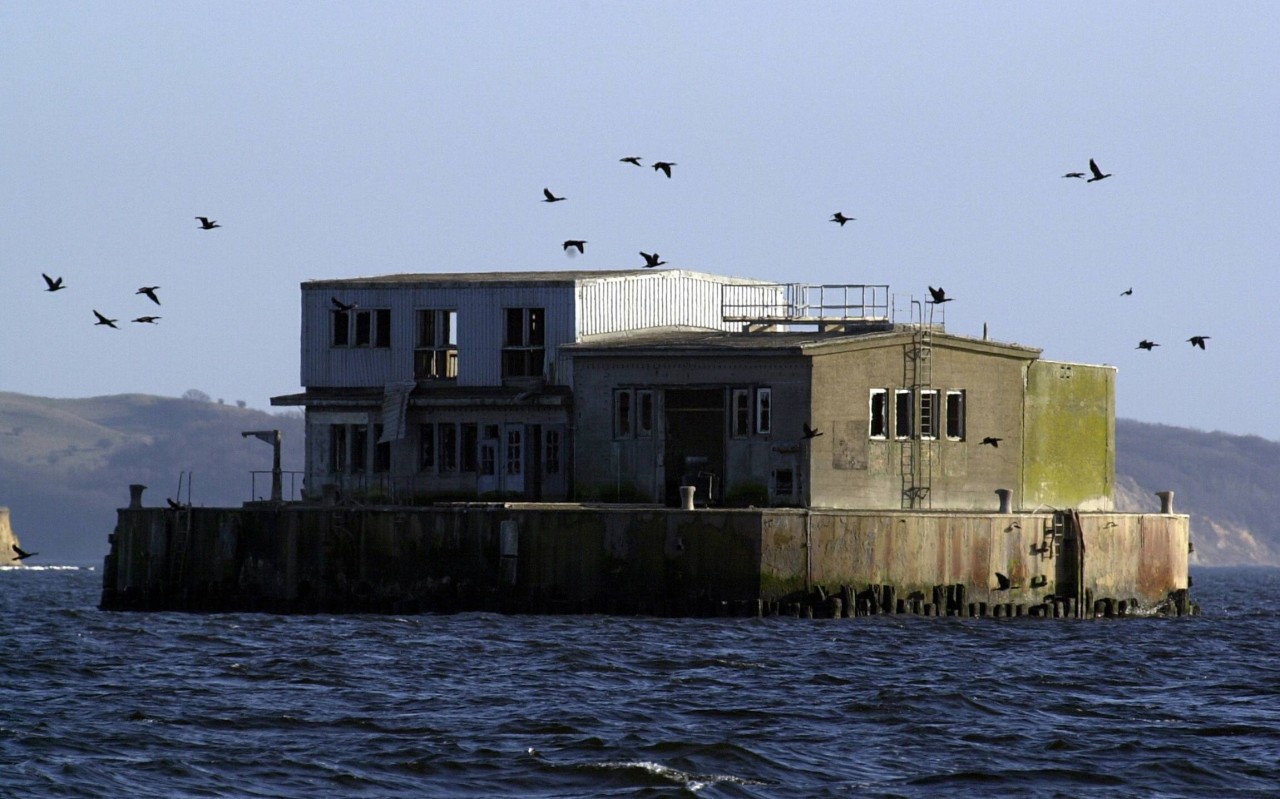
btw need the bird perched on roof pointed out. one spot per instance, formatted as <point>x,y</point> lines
<point>939,296</point>
<point>22,554</point>
<point>1198,341</point>
<point>1004,582</point>
<point>340,305</point>
<point>809,432</point>
<point>651,260</point>
<point>206,223</point>
<point>550,198</point>
<point>102,320</point>
<point>631,159</point>
<point>577,244</point>
<point>665,166</point>
<point>991,440</point>
<point>1146,345</point>
<point>1127,292</point>
<point>1097,173</point>
<point>841,218</point>
<point>53,285</point>
<point>1074,175</point>
<point>147,320</point>
<point>150,291</point>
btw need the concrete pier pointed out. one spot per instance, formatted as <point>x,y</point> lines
<point>572,558</point>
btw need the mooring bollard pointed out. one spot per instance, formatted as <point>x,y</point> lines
<point>135,495</point>
<point>1003,494</point>
<point>1166,501</point>
<point>686,497</point>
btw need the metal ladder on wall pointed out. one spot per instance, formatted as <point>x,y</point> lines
<point>917,453</point>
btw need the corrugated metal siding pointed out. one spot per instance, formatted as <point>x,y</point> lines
<point>662,299</point>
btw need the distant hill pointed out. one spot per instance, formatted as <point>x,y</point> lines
<point>66,465</point>
<point>1228,484</point>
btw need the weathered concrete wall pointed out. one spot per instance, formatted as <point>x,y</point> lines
<point>852,470</point>
<point>1069,449</point>
<point>1140,557</point>
<point>547,558</point>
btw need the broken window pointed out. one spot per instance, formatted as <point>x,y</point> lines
<point>436,355</point>
<point>955,415</point>
<point>879,427</point>
<point>359,448</point>
<point>784,483</point>
<point>524,346</point>
<point>930,414</point>
<point>904,422</point>
<point>362,328</point>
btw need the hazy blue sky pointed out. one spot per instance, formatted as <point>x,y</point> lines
<point>345,139</point>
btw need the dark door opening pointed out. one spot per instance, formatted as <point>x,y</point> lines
<point>695,430</point>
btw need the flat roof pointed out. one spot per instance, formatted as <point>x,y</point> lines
<point>567,277</point>
<point>684,340</point>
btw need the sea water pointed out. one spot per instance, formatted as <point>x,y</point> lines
<point>96,704</point>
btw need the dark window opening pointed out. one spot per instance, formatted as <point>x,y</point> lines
<point>470,445</point>
<point>426,447</point>
<point>955,415</point>
<point>879,413</point>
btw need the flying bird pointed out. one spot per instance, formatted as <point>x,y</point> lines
<point>939,296</point>
<point>54,285</point>
<point>576,243</point>
<point>1198,341</point>
<point>841,218</point>
<point>631,159</point>
<point>150,291</point>
<point>1097,173</point>
<point>1146,345</point>
<point>651,260</point>
<point>665,166</point>
<point>206,223</point>
<point>22,554</point>
<point>809,432</point>
<point>551,198</point>
<point>147,320</point>
<point>1127,292</point>
<point>102,320</point>
<point>340,305</point>
<point>992,440</point>
<point>1074,175</point>
<point>1005,582</point>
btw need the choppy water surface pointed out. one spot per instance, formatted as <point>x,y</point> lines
<point>97,704</point>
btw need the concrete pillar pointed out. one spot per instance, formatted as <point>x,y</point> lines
<point>135,495</point>
<point>1166,501</point>
<point>1004,494</point>
<point>686,497</point>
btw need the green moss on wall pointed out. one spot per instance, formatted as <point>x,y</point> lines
<point>1069,442</point>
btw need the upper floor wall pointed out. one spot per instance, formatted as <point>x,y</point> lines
<point>489,329</point>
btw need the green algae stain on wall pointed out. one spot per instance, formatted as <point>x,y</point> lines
<point>1069,442</point>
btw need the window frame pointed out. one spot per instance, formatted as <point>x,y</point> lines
<point>878,421</point>
<point>524,342</point>
<point>623,408</point>
<point>956,431</point>
<point>740,412</point>
<point>904,409</point>
<point>930,401</point>
<point>764,411</point>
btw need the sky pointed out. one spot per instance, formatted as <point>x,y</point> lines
<point>334,140</point>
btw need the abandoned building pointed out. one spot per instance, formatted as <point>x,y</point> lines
<point>626,385</point>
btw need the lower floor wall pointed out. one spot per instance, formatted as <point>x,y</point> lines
<point>541,557</point>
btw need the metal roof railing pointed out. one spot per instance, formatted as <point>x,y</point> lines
<point>801,303</point>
